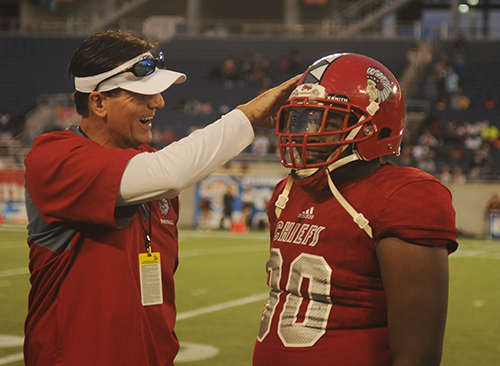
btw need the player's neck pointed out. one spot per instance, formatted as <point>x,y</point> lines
<point>355,170</point>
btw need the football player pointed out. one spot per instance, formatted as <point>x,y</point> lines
<point>358,267</point>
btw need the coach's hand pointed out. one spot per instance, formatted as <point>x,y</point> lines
<point>262,110</point>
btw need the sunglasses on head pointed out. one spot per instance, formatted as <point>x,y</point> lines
<point>142,68</point>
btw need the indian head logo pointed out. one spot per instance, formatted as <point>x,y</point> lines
<point>164,207</point>
<point>378,86</point>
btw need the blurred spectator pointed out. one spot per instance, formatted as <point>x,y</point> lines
<point>427,164</point>
<point>244,167</point>
<point>163,138</point>
<point>490,133</point>
<point>493,204</point>
<point>481,163</point>
<point>420,152</point>
<point>205,208</point>
<point>451,80</point>
<point>261,72</point>
<point>181,106</point>
<point>461,44</point>
<point>459,101</point>
<point>168,136</point>
<point>445,175</point>
<point>496,144</point>
<point>458,176</point>
<point>205,108</point>
<point>4,121</point>
<point>6,126</point>
<point>223,109</point>
<point>431,89</point>
<point>192,107</point>
<point>463,100</point>
<point>459,66</point>
<point>245,70</point>
<point>294,61</point>
<point>490,102</point>
<point>261,143</point>
<point>247,203</point>
<point>427,139</point>
<point>229,72</point>
<point>440,70</point>
<point>291,63</point>
<point>475,127</point>
<point>228,200</point>
<point>473,142</point>
<point>193,128</point>
<point>457,153</point>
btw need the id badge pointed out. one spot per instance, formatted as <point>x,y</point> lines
<point>150,277</point>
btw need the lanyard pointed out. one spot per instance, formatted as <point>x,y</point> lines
<point>147,234</point>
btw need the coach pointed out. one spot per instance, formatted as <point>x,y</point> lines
<point>103,209</point>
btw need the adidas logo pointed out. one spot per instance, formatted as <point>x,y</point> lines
<point>307,214</point>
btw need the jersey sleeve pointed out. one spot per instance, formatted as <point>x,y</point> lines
<point>73,179</point>
<point>420,212</point>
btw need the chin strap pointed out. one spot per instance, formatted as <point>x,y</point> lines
<point>283,197</point>
<point>358,217</point>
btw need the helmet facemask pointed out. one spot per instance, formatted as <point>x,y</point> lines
<point>313,133</point>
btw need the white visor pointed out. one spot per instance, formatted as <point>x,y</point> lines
<point>157,82</point>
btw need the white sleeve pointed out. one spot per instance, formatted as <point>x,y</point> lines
<point>165,173</point>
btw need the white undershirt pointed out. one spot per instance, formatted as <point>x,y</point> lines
<point>165,173</point>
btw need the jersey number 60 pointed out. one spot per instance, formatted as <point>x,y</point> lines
<point>291,332</point>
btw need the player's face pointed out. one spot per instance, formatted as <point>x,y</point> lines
<point>128,118</point>
<point>309,121</point>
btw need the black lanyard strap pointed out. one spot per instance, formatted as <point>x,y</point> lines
<point>147,234</point>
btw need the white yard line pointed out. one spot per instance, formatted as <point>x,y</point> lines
<point>222,306</point>
<point>14,272</point>
<point>11,358</point>
<point>222,234</point>
<point>225,250</point>
<point>189,253</point>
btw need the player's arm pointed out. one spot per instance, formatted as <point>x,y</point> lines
<point>415,278</point>
<point>165,173</point>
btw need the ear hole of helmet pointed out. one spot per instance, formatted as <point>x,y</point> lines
<point>384,133</point>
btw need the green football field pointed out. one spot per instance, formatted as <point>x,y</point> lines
<point>221,292</point>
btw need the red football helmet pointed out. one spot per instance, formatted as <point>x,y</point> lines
<point>341,99</point>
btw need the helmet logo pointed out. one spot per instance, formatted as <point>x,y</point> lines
<point>378,86</point>
<point>310,91</point>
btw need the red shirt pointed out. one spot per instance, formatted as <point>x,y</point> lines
<point>85,302</point>
<point>327,304</point>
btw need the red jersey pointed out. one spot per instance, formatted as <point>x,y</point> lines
<point>85,302</point>
<point>327,304</point>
